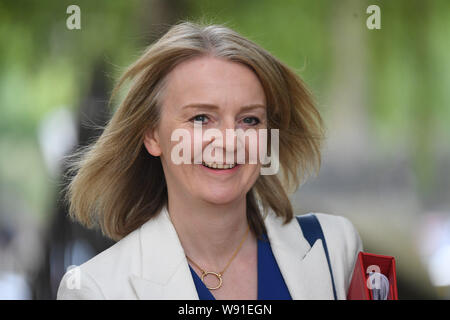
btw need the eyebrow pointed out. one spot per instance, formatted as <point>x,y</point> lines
<point>214,107</point>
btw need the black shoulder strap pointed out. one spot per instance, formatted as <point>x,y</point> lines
<point>312,231</point>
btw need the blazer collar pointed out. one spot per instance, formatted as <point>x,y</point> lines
<point>304,268</point>
<point>165,272</point>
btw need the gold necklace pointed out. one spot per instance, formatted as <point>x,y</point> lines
<point>218,275</point>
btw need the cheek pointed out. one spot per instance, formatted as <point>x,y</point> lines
<point>263,147</point>
<point>176,144</point>
<point>197,145</point>
<point>254,147</point>
<point>254,172</point>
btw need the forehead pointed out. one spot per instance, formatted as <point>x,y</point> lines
<point>213,80</point>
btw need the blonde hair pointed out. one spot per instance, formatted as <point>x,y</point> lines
<point>118,185</point>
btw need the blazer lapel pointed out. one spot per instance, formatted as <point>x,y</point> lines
<point>165,272</point>
<point>304,268</point>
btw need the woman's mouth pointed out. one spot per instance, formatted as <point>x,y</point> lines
<point>220,169</point>
<point>218,166</point>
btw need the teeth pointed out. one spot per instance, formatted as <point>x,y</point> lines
<point>219,166</point>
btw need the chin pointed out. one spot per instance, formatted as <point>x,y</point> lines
<point>220,198</point>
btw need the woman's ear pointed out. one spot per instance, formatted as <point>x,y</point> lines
<point>151,142</point>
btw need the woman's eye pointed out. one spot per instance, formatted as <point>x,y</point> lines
<point>253,121</point>
<point>200,118</point>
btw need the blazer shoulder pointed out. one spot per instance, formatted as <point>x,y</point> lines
<point>79,285</point>
<point>92,279</point>
<point>339,229</point>
<point>122,252</point>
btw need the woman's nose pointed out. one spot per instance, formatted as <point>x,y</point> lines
<point>228,141</point>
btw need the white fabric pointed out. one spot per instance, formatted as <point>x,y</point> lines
<point>150,263</point>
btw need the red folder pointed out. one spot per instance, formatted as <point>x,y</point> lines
<point>367,262</point>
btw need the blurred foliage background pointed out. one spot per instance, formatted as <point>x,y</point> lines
<point>384,95</point>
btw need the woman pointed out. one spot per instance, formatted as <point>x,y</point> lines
<point>211,229</point>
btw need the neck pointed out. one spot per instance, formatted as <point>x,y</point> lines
<point>209,233</point>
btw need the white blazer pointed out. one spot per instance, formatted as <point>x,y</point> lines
<point>150,263</point>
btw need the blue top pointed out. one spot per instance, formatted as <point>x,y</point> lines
<point>271,285</point>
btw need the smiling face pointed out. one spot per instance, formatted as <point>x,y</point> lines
<point>215,94</point>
